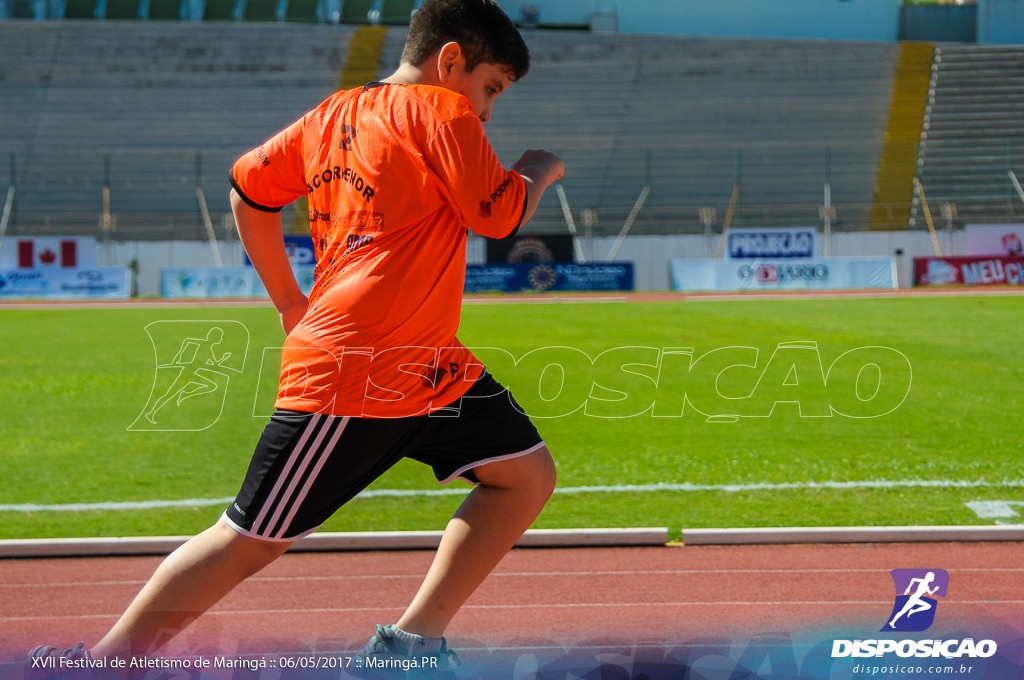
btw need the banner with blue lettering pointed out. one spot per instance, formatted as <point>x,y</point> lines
<point>536,277</point>
<point>777,244</point>
<point>299,248</point>
<point>222,282</point>
<point>94,283</point>
<point>805,274</point>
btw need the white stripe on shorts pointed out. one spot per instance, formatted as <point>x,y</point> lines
<point>297,452</point>
<point>325,453</point>
<point>285,497</point>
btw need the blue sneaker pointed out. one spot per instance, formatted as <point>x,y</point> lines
<point>388,655</point>
<point>47,661</point>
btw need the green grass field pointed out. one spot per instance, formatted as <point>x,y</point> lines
<point>902,410</point>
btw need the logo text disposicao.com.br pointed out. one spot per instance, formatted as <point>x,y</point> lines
<point>922,649</point>
<point>914,609</point>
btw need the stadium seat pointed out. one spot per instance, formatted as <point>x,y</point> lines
<point>164,10</point>
<point>302,11</point>
<point>122,9</point>
<point>219,10</point>
<point>684,115</point>
<point>21,9</point>
<point>355,11</point>
<point>80,9</point>
<point>974,127</point>
<point>396,11</point>
<point>261,10</point>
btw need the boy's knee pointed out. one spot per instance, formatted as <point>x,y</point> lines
<point>541,476</point>
<point>254,551</point>
<point>547,474</point>
<point>532,473</point>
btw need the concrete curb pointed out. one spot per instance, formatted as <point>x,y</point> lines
<point>534,538</point>
<point>934,534</point>
<point>327,542</point>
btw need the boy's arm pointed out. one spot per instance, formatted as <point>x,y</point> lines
<point>263,239</point>
<point>539,169</point>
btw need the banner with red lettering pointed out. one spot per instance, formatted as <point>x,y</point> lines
<point>969,271</point>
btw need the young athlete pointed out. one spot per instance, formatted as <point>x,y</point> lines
<point>395,173</point>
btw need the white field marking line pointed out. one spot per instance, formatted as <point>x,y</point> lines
<point>114,505</point>
<point>540,605</point>
<point>513,574</point>
<point>243,303</point>
<point>634,296</point>
<point>685,487</point>
<point>554,300</point>
<point>613,488</point>
<point>976,291</point>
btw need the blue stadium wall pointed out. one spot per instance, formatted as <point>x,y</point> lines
<point>982,22</point>
<point>1001,22</point>
<point>998,21</point>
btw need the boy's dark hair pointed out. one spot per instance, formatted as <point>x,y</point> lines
<point>480,27</point>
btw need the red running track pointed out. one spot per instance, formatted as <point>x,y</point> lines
<point>658,595</point>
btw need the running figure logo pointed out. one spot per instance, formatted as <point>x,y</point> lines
<point>194,362</point>
<point>914,610</point>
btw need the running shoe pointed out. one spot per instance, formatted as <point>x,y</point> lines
<point>387,656</point>
<point>47,661</point>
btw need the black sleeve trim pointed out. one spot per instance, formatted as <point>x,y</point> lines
<point>248,201</point>
<point>512,234</point>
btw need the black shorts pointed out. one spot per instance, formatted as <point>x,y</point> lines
<point>307,465</point>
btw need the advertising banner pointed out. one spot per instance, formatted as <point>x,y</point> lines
<point>543,276</point>
<point>531,248</point>
<point>299,248</point>
<point>810,274</point>
<point>47,252</point>
<point>99,283</point>
<point>970,271</point>
<point>994,239</point>
<point>787,243</point>
<point>221,282</point>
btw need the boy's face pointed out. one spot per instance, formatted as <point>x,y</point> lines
<point>481,86</point>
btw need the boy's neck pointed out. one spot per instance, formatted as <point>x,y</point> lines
<point>408,74</point>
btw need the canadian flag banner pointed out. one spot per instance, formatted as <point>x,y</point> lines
<point>46,252</point>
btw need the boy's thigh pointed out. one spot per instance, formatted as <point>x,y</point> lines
<point>307,465</point>
<point>486,426</point>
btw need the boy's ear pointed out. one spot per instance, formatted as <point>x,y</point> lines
<point>448,57</point>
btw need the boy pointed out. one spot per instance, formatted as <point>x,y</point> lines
<point>372,372</point>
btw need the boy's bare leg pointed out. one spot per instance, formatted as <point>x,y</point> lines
<point>190,581</point>
<point>486,526</point>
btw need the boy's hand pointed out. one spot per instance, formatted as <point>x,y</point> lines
<point>292,314</point>
<point>539,169</point>
<point>543,167</point>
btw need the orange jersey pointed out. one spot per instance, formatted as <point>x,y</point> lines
<point>395,175</point>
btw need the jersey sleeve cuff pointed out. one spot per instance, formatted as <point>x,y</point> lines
<point>522,214</point>
<point>249,202</point>
<point>515,231</point>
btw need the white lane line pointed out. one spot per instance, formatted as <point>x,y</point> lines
<point>516,574</point>
<point>570,605</point>
<point>685,487</point>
